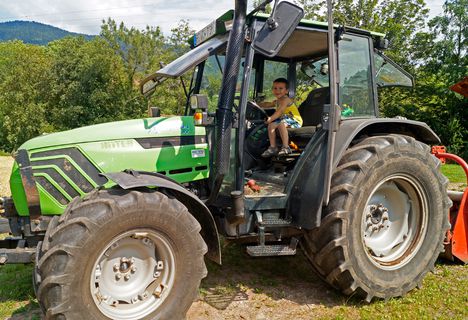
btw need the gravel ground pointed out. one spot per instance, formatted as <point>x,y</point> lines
<point>5,170</point>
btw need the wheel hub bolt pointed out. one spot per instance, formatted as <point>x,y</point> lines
<point>118,276</point>
<point>127,277</point>
<point>133,269</point>
<point>377,213</point>
<point>116,267</point>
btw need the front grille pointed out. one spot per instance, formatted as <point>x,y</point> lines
<point>65,173</point>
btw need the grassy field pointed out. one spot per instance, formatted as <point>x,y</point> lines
<point>454,172</point>
<point>280,288</point>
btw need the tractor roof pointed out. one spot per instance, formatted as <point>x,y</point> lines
<point>223,24</point>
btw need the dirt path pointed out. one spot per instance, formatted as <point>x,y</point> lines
<point>5,170</point>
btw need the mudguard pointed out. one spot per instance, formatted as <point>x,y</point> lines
<point>351,129</point>
<point>130,179</point>
<point>307,180</point>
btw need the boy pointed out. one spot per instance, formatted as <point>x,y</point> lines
<point>286,116</point>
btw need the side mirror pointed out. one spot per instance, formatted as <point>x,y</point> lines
<point>278,28</point>
<point>154,112</point>
<point>199,101</point>
<point>381,44</point>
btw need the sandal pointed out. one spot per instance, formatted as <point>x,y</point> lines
<point>270,152</point>
<point>284,151</point>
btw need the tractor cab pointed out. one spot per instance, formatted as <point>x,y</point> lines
<point>301,57</point>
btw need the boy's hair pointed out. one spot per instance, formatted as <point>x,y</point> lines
<point>282,80</point>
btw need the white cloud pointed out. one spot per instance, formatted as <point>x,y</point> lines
<point>435,6</point>
<point>85,16</point>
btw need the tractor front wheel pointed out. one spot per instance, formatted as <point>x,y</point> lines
<point>121,254</point>
<point>384,226</point>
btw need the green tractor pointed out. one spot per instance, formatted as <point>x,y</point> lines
<point>118,217</point>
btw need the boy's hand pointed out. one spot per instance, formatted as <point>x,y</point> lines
<point>268,120</point>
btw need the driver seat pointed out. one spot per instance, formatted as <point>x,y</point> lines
<point>311,110</point>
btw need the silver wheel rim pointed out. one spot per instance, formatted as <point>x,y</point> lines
<point>394,222</point>
<point>133,275</point>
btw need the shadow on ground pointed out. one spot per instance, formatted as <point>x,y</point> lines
<point>291,278</point>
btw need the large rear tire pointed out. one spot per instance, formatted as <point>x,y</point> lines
<point>121,254</point>
<point>384,226</point>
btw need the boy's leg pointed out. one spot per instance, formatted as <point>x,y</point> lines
<point>272,150</point>
<point>283,131</point>
<point>271,133</point>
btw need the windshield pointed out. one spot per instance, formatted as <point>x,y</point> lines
<point>208,77</point>
<point>182,64</point>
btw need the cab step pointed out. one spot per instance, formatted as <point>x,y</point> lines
<point>4,225</point>
<point>274,222</point>
<point>273,250</point>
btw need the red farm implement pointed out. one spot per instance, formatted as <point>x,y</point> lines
<point>456,242</point>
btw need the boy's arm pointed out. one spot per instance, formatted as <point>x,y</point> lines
<point>266,104</point>
<point>279,112</point>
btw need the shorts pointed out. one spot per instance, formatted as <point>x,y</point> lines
<point>289,122</point>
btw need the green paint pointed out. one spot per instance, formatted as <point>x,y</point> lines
<point>119,130</point>
<point>17,191</point>
<point>111,147</point>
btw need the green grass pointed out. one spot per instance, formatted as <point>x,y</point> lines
<point>3,153</point>
<point>454,173</point>
<point>443,293</point>
<point>276,280</point>
<point>16,292</point>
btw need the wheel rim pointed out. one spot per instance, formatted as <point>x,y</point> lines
<point>133,275</point>
<point>394,222</point>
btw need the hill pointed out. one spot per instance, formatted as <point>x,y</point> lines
<point>33,32</point>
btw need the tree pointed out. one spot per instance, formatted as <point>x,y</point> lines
<point>23,77</point>
<point>440,60</point>
<point>89,84</point>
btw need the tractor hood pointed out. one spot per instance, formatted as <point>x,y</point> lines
<point>129,129</point>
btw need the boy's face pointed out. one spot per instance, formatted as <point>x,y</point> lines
<point>279,89</point>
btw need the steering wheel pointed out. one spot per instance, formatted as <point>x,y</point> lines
<point>254,113</point>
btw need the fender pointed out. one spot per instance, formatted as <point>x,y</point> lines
<point>307,180</point>
<point>352,129</point>
<point>131,179</point>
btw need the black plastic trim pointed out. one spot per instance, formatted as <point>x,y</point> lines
<point>166,142</point>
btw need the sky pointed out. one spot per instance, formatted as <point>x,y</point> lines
<point>85,16</point>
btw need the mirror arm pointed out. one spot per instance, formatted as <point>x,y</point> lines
<point>272,24</point>
<point>260,7</point>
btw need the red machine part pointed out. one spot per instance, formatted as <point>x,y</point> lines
<point>439,149</point>
<point>457,237</point>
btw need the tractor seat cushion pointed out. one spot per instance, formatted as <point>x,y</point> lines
<point>302,131</point>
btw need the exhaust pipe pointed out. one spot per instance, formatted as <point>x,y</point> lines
<point>224,114</point>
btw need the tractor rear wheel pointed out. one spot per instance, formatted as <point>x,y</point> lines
<point>384,226</point>
<point>121,254</point>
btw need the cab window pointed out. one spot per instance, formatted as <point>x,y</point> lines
<point>356,87</point>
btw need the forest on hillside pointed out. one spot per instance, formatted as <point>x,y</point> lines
<point>74,82</point>
<point>34,32</point>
